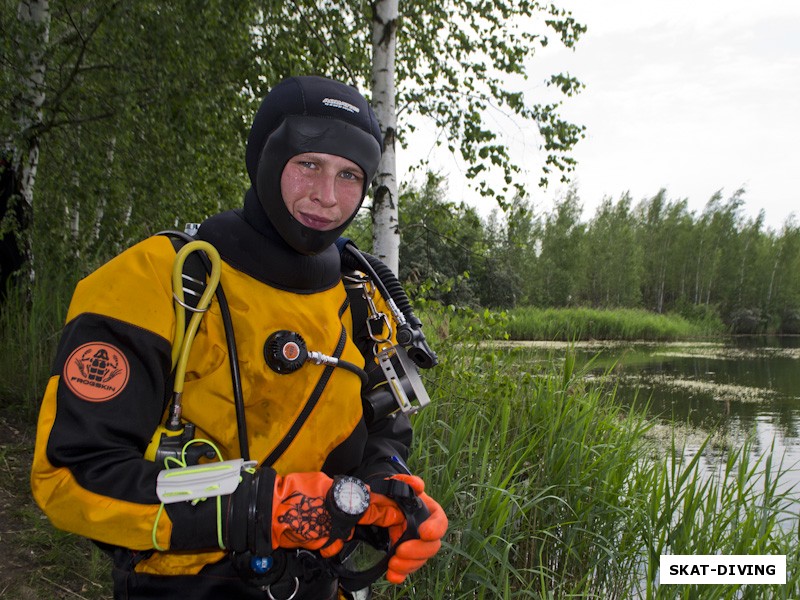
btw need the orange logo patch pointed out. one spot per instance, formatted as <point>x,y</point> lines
<point>291,351</point>
<point>96,372</point>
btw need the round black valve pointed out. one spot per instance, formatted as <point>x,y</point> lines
<point>285,351</point>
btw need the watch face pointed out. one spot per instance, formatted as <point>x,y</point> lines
<point>351,496</point>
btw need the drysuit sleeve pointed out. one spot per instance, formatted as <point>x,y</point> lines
<point>388,445</point>
<point>105,398</point>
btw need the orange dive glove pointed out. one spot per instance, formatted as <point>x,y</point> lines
<point>298,510</point>
<point>414,543</point>
<point>412,554</point>
<point>300,517</point>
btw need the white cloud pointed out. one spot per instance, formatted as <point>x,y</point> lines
<point>692,96</point>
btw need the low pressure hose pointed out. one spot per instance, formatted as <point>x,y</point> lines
<point>233,356</point>
<point>331,361</point>
<point>184,336</point>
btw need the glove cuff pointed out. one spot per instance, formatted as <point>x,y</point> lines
<point>262,542</point>
<point>194,526</point>
<point>249,522</point>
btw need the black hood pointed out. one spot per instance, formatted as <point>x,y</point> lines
<point>309,114</point>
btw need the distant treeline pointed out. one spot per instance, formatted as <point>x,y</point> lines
<point>654,254</point>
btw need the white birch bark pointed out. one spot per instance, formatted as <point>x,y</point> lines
<point>385,223</point>
<point>73,215</point>
<point>36,15</point>
<point>102,200</point>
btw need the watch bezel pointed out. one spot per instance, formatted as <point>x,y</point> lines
<point>337,489</point>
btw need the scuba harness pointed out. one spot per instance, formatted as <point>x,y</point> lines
<point>365,558</point>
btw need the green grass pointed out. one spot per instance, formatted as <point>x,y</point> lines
<point>571,324</point>
<point>555,491</point>
<point>39,561</point>
<point>552,487</point>
<point>30,326</point>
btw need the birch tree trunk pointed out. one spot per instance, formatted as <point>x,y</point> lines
<point>103,196</point>
<point>385,223</point>
<point>34,15</point>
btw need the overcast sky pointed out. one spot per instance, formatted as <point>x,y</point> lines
<point>694,96</point>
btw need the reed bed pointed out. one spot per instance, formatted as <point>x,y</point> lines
<point>571,324</point>
<point>555,491</point>
<point>30,324</point>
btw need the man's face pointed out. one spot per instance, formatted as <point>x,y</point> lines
<point>321,191</point>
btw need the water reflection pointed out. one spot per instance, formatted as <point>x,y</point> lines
<point>730,388</point>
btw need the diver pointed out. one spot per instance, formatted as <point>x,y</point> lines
<point>269,378</point>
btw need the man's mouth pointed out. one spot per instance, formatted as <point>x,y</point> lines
<point>315,221</point>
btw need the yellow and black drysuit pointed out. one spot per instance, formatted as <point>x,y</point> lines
<point>108,388</point>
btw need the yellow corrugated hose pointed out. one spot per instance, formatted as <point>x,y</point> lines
<point>173,427</point>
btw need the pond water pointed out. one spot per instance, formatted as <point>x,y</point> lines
<point>731,388</point>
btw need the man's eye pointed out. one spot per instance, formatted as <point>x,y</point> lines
<point>350,175</point>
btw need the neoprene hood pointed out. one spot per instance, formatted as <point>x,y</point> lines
<point>309,114</point>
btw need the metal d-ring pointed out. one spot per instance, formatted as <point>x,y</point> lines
<point>293,594</point>
<point>186,306</point>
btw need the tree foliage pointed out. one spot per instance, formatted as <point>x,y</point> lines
<point>440,242</point>
<point>613,261</point>
<point>146,107</point>
<point>146,104</point>
<point>457,60</point>
<point>141,124</point>
<point>560,268</point>
<point>655,255</point>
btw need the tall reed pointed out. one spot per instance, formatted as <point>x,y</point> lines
<point>737,506</point>
<point>553,490</point>
<point>30,324</point>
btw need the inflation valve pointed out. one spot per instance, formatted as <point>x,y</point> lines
<point>285,351</point>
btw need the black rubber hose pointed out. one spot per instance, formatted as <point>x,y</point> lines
<point>353,368</point>
<point>410,335</point>
<point>236,380</point>
<point>383,276</point>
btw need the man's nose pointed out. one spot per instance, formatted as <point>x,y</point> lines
<point>325,190</point>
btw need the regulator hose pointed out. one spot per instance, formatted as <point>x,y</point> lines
<point>233,355</point>
<point>184,336</point>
